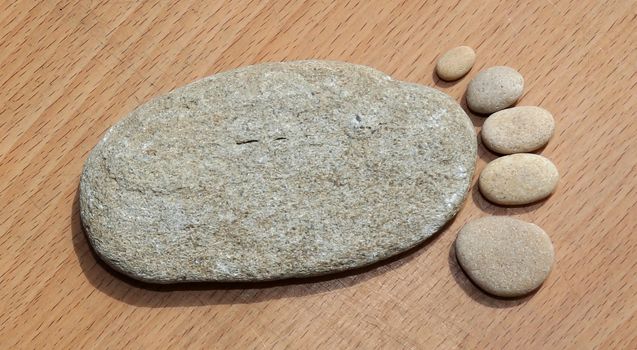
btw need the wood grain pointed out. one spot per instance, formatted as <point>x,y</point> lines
<point>69,69</point>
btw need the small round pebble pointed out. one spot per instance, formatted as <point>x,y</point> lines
<point>494,89</point>
<point>518,179</point>
<point>455,63</point>
<point>504,256</point>
<point>518,130</point>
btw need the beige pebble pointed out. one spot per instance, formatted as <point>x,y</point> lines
<point>518,179</point>
<point>455,63</point>
<point>504,256</point>
<point>494,89</point>
<point>518,129</point>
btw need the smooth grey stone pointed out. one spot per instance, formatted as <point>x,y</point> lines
<point>276,170</point>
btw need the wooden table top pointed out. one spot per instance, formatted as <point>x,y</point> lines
<point>69,69</point>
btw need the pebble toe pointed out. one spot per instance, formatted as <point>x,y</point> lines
<point>455,63</point>
<point>504,256</point>
<point>494,89</point>
<point>518,129</point>
<point>518,179</point>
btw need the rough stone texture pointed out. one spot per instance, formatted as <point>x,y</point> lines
<point>505,256</point>
<point>518,130</point>
<point>494,89</point>
<point>276,170</point>
<point>518,179</point>
<point>455,63</point>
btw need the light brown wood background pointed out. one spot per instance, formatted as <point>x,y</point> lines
<point>70,69</point>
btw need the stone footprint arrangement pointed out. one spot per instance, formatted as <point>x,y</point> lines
<point>297,169</point>
<point>504,256</point>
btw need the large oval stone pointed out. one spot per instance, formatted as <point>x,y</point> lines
<point>273,171</point>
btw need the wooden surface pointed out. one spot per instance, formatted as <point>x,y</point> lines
<point>70,69</point>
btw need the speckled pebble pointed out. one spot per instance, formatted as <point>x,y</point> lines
<point>518,179</point>
<point>518,130</point>
<point>455,63</point>
<point>494,89</point>
<point>504,256</point>
<point>274,171</point>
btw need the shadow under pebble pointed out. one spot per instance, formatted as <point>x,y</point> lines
<point>443,83</point>
<point>494,209</point>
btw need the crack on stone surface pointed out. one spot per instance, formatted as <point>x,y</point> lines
<point>280,138</point>
<point>246,141</point>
